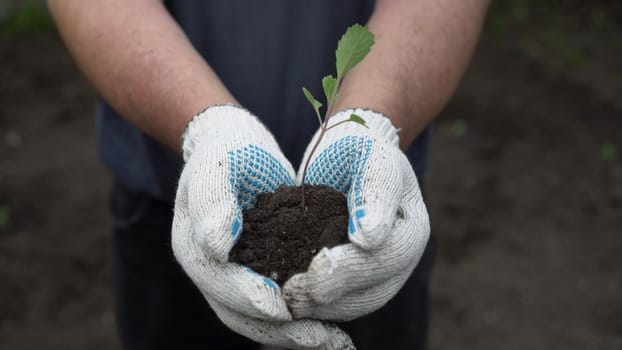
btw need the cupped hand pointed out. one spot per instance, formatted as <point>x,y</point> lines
<point>230,158</point>
<point>388,222</point>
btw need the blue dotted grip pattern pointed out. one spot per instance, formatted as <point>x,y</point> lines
<point>341,166</point>
<point>253,170</point>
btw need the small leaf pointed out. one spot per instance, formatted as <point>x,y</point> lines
<point>353,46</point>
<point>329,83</point>
<point>358,119</point>
<point>315,103</point>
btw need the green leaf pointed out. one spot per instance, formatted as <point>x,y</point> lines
<point>353,46</point>
<point>329,83</point>
<point>357,119</point>
<point>315,103</point>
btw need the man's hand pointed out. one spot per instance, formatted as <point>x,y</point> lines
<point>388,226</point>
<point>231,157</point>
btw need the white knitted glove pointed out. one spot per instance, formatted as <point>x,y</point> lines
<point>388,225</point>
<point>231,157</point>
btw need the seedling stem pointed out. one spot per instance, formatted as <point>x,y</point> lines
<point>354,45</point>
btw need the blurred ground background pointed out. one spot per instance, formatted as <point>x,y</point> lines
<point>525,193</point>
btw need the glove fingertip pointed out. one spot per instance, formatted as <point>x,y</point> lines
<point>216,237</point>
<point>308,334</point>
<point>338,339</point>
<point>266,297</point>
<point>368,226</point>
<point>298,300</point>
<point>324,282</point>
<point>272,309</point>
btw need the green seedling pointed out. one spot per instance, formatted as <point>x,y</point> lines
<point>352,48</point>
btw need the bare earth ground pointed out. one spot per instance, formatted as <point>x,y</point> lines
<point>526,208</point>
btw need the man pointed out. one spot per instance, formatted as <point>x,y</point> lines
<point>173,68</point>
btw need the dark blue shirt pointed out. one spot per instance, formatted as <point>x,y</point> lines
<point>264,52</point>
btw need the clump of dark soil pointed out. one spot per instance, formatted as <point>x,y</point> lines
<point>280,238</point>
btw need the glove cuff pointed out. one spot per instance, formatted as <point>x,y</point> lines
<point>378,125</point>
<point>214,119</point>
